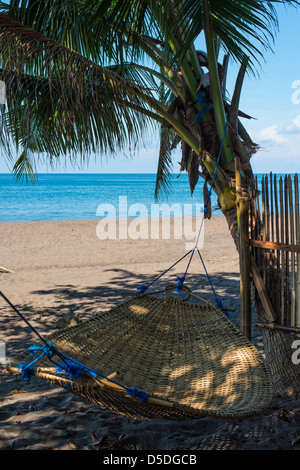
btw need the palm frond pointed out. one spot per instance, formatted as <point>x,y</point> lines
<point>243,27</point>
<point>23,168</point>
<point>76,104</point>
<point>165,165</point>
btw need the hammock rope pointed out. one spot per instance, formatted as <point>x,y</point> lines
<point>181,280</point>
<point>72,367</point>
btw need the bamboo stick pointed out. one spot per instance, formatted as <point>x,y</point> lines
<point>258,252</point>
<point>245,267</point>
<point>297,227</point>
<point>287,329</point>
<point>264,228</point>
<point>261,290</point>
<point>271,238</point>
<point>292,239</point>
<point>275,246</point>
<point>267,255</point>
<point>278,253</point>
<point>238,186</point>
<point>287,258</point>
<point>282,280</point>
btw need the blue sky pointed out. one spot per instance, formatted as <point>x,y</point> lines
<point>269,98</point>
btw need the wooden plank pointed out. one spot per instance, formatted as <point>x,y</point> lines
<point>275,246</point>
<point>261,289</point>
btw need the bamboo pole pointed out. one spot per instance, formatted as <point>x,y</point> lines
<point>287,258</point>
<point>261,290</point>
<point>264,229</point>
<point>258,221</point>
<point>275,246</point>
<point>271,238</point>
<point>292,240</point>
<point>278,253</point>
<point>238,187</point>
<point>282,280</point>
<point>297,228</point>
<point>244,256</point>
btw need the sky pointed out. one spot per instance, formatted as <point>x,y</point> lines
<point>272,99</point>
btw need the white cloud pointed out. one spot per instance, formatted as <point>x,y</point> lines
<point>271,134</point>
<point>268,135</point>
<point>294,128</point>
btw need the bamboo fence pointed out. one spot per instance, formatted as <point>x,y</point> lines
<point>275,243</point>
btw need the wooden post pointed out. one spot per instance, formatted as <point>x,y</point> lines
<point>244,255</point>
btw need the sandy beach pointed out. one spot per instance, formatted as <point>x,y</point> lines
<point>63,273</point>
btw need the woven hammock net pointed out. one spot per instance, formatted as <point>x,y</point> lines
<point>190,359</point>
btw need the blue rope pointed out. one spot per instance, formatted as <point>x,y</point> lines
<point>142,288</point>
<point>180,280</point>
<point>201,99</point>
<point>72,367</point>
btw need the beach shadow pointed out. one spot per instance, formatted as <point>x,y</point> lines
<point>91,300</point>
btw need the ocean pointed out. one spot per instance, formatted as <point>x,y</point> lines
<point>91,196</point>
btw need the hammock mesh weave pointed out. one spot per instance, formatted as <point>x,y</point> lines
<point>189,358</point>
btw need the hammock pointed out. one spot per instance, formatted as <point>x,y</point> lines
<point>153,357</point>
<point>157,358</point>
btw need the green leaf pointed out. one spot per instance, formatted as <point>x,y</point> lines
<point>23,168</point>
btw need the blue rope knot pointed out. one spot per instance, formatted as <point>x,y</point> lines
<point>141,289</point>
<point>50,350</point>
<point>140,394</point>
<point>73,370</point>
<point>26,371</point>
<point>35,350</point>
<point>180,282</point>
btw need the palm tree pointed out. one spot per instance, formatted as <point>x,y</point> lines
<point>98,76</point>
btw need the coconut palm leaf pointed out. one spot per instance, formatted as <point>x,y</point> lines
<point>23,168</point>
<point>164,171</point>
<point>78,104</point>
<point>246,27</point>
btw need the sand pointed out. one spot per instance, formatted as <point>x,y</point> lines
<point>62,273</point>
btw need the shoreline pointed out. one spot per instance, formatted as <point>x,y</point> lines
<point>94,219</point>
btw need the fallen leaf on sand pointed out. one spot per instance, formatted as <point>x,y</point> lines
<point>71,446</point>
<point>15,392</point>
<point>98,440</point>
<point>296,441</point>
<point>286,415</point>
<point>74,410</point>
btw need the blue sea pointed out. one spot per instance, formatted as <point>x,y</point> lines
<point>87,196</point>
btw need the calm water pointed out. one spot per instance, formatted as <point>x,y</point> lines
<point>77,196</point>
